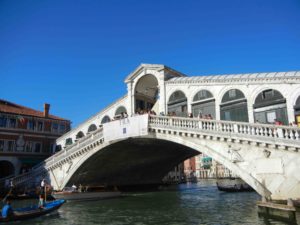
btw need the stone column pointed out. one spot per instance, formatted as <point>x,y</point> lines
<point>162,95</point>
<point>250,112</point>
<point>290,110</point>
<point>130,97</point>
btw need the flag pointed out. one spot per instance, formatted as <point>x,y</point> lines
<point>21,119</point>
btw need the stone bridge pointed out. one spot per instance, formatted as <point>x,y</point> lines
<point>108,149</point>
<point>142,149</point>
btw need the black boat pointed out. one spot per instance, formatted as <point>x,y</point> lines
<point>233,185</point>
<point>33,211</point>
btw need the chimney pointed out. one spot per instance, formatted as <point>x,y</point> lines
<point>46,110</point>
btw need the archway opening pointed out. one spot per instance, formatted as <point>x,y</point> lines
<point>92,128</point>
<point>269,107</point>
<point>297,111</point>
<point>234,106</point>
<point>6,168</point>
<point>203,105</point>
<point>177,104</point>
<point>121,110</point>
<point>146,94</point>
<point>79,135</point>
<point>105,119</point>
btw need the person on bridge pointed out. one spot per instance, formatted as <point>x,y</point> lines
<point>7,210</point>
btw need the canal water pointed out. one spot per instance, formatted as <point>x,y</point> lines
<point>185,204</point>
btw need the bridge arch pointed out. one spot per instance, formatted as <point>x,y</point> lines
<point>92,128</point>
<point>178,103</point>
<point>205,147</point>
<point>269,105</point>
<point>146,92</point>
<point>233,106</point>
<point>105,119</point>
<point>204,104</point>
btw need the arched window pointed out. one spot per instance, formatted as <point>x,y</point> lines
<point>105,119</point>
<point>69,141</point>
<point>270,105</point>
<point>177,104</point>
<point>120,109</point>
<point>92,127</point>
<point>234,106</point>
<point>79,135</point>
<point>204,104</point>
<point>6,168</point>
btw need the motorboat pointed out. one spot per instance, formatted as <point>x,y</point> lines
<point>88,193</point>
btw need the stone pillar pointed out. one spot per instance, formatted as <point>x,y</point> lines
<point>218,111</point>
<point>250,112</point>
<point>290,110</point>
<point>162,95</point>
<point>130,98</point>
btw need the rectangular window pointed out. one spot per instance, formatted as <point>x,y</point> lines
<point>62,128</point>
<point>54,127</point>
<point>10,146</point>
<point>30,125</point>
<point>1,145</point>
<point>29,146</point>
<point>37,147</point>
<point>3,121</point>
<point>12,122</point>
<point>51,148</point>
<point>40,126</point>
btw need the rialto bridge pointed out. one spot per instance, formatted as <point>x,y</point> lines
<point>141,149</point>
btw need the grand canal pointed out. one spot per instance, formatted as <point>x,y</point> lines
<point>185,204</point>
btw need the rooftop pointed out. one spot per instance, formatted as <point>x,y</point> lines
<point>9,107</point>
<point>246,76</point>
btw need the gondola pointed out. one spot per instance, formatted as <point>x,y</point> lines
<point>33,211</point>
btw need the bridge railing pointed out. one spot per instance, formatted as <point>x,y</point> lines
<point>75,146</point>
<point>36,170</point>
<point>262,130</point>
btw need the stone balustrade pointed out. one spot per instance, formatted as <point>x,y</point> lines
<point>287,134</point>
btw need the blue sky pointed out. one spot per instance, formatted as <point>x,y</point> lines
<point>75,55</point>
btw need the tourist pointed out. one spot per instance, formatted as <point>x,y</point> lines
<point>7,210</point>
<point>41,202</point>
<point>74,187</point>
<point>43,187</point>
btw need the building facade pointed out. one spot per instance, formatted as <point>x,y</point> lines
<point>27,136</point>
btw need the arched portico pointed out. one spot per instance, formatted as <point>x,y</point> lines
<point>177,104</point>
<point>297,111</point>
<point>204,105</point>
<point>270,106</point>
<point>146,93</point>
<point>233,106</point>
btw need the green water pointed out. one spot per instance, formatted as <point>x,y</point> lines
<point>185,204</point>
